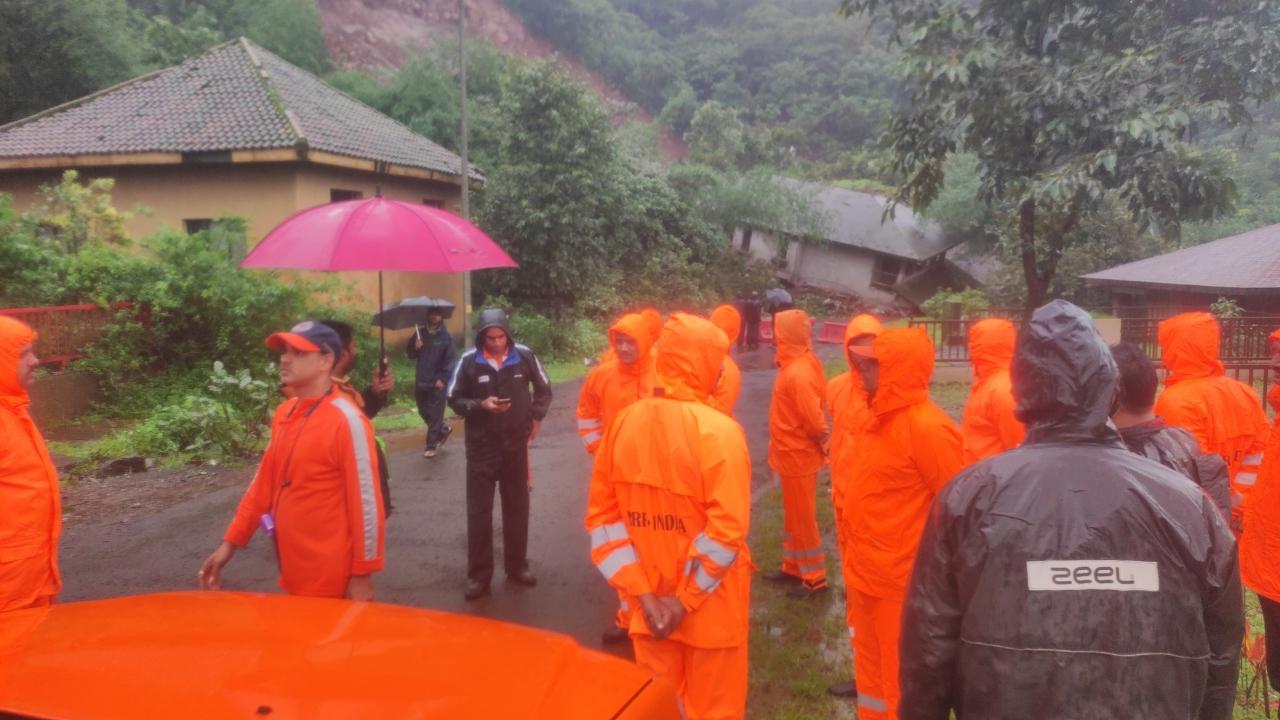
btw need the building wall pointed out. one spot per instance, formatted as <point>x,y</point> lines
<point>831,266</point>
<point>264,194</point>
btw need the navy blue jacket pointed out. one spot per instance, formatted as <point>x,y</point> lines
<point>435,359</point>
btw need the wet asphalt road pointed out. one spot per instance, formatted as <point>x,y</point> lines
<point>426,535</point>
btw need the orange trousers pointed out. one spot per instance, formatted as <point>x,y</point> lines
<point>877,626</point>
<point>801,542</point>
<point>710,682</point>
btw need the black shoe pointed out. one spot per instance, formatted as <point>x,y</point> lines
<point>475,590</point>
<point>614,635</point>
<point>845,689</point>
<point>804,591</point>
<point>523,577</point>
<point>782,578</point>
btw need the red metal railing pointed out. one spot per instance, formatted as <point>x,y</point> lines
<point>65,330</point>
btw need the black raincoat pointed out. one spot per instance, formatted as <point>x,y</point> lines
<point>1177,449</point>
<point>1070,577</point>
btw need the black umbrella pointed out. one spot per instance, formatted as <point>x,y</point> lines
<point>411,312</point>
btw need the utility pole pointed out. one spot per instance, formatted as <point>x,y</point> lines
<point>462,148</point>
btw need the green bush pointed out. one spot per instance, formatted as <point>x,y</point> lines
<point>973,303</point>
<point>229,417</point>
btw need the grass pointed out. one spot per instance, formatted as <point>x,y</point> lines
<point>798,647</point>
<point>565,370</point>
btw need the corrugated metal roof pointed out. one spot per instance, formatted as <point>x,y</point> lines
<point>1246,264</point>
<point>236,96</point>
<point>854,218</point>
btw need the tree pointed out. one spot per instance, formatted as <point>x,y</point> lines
<point>716,136</point>
<point>290,29</point>
<point>1067,105</point>
<point>52,51</point>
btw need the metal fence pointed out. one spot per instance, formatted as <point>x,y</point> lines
<point>1244,339</point>
<point>65,330</point>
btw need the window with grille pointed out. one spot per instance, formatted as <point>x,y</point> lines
<point>339,195</point>
<point>884,274</point>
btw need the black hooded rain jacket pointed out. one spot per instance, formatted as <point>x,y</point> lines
<point>1070,577</point>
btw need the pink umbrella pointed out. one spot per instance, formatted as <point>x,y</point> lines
<point>377,234</point>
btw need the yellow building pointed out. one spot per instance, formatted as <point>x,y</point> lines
<point>236,132</point>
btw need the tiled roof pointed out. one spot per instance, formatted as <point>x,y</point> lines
<point>855,219</point>
<point>237,96</point>
<point>1246,264</point>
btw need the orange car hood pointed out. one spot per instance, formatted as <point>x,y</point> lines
<point>223,654</point>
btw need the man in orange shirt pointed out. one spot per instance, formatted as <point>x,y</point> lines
<point>668,514</point>
<point>798,436</point>
<point>32,517</point>
<point>1224,415</point>
<point>989,426</point>
<point>850,417</point>
<point>909,452</point>
<point>729,386</point>
<point>611,387</point>
<point>316,492</point>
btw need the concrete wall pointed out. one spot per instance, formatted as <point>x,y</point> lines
<point>264,194</point>
<point>832,266</point>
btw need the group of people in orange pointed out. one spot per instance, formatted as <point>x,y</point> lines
<point>1069,532</point>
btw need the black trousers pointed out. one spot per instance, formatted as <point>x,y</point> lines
<point>509,471</point>
<point>431,410</point>
<point>750,336</point>
<point>1271,625</point>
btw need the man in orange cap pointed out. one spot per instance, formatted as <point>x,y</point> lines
<point>32,518</point>
<point>989,426</point>
<point>316,492</point>
<point>1260,541</point>
<point>850,417</point>
<point>611,387</point>
<point>904,458</point>
<point>729,386</point>
<point>668,514</point>
<point>798,436</point>
<point>1224,415</point>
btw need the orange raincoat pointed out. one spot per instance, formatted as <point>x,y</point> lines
<point>668,513</point>
<point>614,385</point>
<point>989,426</point>
<point>729,386</point>
<point>319,482</point>
<point>850,409</point>
<point>32,517</point>
<point>850,417</point>
<point>910,451</point>
<point>1260,542</point>
<point>1224,415</point>
<point>797,433</point>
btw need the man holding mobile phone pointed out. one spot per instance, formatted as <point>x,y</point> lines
<point>501,391</point>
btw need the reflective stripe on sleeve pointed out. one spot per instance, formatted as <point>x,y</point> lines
<point>1254,459</point>
<point>364,475</point>
<point>589,424</point>
<point>872,703</point>
<point>1247,479</point>
<point>722,555</point>
<point>608,533</point>
<point>591,437</point>
<point>704,580</point>
<point>616,560</point>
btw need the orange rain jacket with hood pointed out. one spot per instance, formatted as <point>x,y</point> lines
<point>910,451</point>
<point>1224,415</point>
<point>797,425</point>
<point>670,499</point>
<point>850,408</point>
<point>729,386</point>
<point>989,426</point>
<point>319,482</point>
<point>31,520</point>
<point>1260,542</point>
<point>614,385</point>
